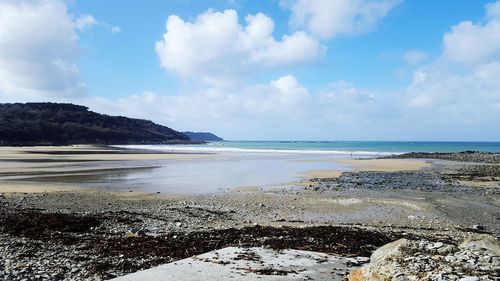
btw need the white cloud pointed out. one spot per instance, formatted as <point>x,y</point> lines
<point>493,10</point>
<point>289,90</point>
<point>85,21</point>
<point>280,100</point>
<point>38,49</point>
<point>330,18</point>
<point>414,57</point>
<point>473,43</point>
<point>442,102</point>
<point>215,46</point>
<point>468,91</point>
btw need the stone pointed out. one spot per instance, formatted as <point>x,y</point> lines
<point>381,266</point>
<point>437,245</point>
<point>469,278</point>
<point>478,227</point>
<point>484,241</point>
<point>363,259</point>
<point>138,232</point>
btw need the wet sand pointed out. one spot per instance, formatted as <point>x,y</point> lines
<point>119,169</point>
<point>56,168</point>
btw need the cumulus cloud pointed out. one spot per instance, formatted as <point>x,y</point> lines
<point>280,98</point>
<point>216,45</point>
<point>473,43</point>
<point>330,18</point>
<point>470,93</point>
<point>38,48</point>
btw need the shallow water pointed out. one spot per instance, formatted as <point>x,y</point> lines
<point>216,173</point>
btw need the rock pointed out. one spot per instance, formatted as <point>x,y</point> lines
<point>469,278</point>
<point>436,245</point>
<point>138,232</point>
<point>478,227</point>
<point>352,262</point>
<point>381,267</point>
<point>483,241</point>
<point>422,260</point>
<point>410,217</point>
<point>363,259</point>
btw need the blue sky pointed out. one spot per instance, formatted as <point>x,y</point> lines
<point>108,60</point>
<point>288,69</point>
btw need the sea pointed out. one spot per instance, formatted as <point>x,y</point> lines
<point>362,148</point>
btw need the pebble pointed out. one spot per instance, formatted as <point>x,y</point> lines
<point>478,227</point>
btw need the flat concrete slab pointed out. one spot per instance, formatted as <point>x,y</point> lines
<point>249,264</point>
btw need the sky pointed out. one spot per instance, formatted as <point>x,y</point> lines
<point>264,70</point>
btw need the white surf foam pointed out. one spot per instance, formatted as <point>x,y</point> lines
<point>212,149</point>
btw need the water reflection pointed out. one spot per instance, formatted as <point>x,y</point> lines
<point>202,175</point>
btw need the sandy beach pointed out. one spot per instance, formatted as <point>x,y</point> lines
<point>391,198</point>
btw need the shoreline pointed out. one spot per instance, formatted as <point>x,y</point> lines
<point>41,163</point>
<point>98,234</point>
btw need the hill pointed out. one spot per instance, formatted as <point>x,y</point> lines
<point>65,124</point>
<point>202,136</point>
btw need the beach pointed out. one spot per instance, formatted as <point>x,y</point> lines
<point>98,212</point>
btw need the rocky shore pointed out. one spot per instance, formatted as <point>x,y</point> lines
<point>41,244</point>
<point>476,258</point>
<point>464,156</point>
<point>96,235</point>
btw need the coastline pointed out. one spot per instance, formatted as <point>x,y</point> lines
<point>350,203</point>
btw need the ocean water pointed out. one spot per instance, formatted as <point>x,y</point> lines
<point>363,148</point>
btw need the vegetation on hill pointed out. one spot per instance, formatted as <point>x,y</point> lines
<point>65,124</point>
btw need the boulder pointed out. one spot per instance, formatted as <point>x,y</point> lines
<point>428,260</point>
<point>381,266</point>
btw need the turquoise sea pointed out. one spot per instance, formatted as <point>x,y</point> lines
<point>356,146</point>
<point>334,147</point>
